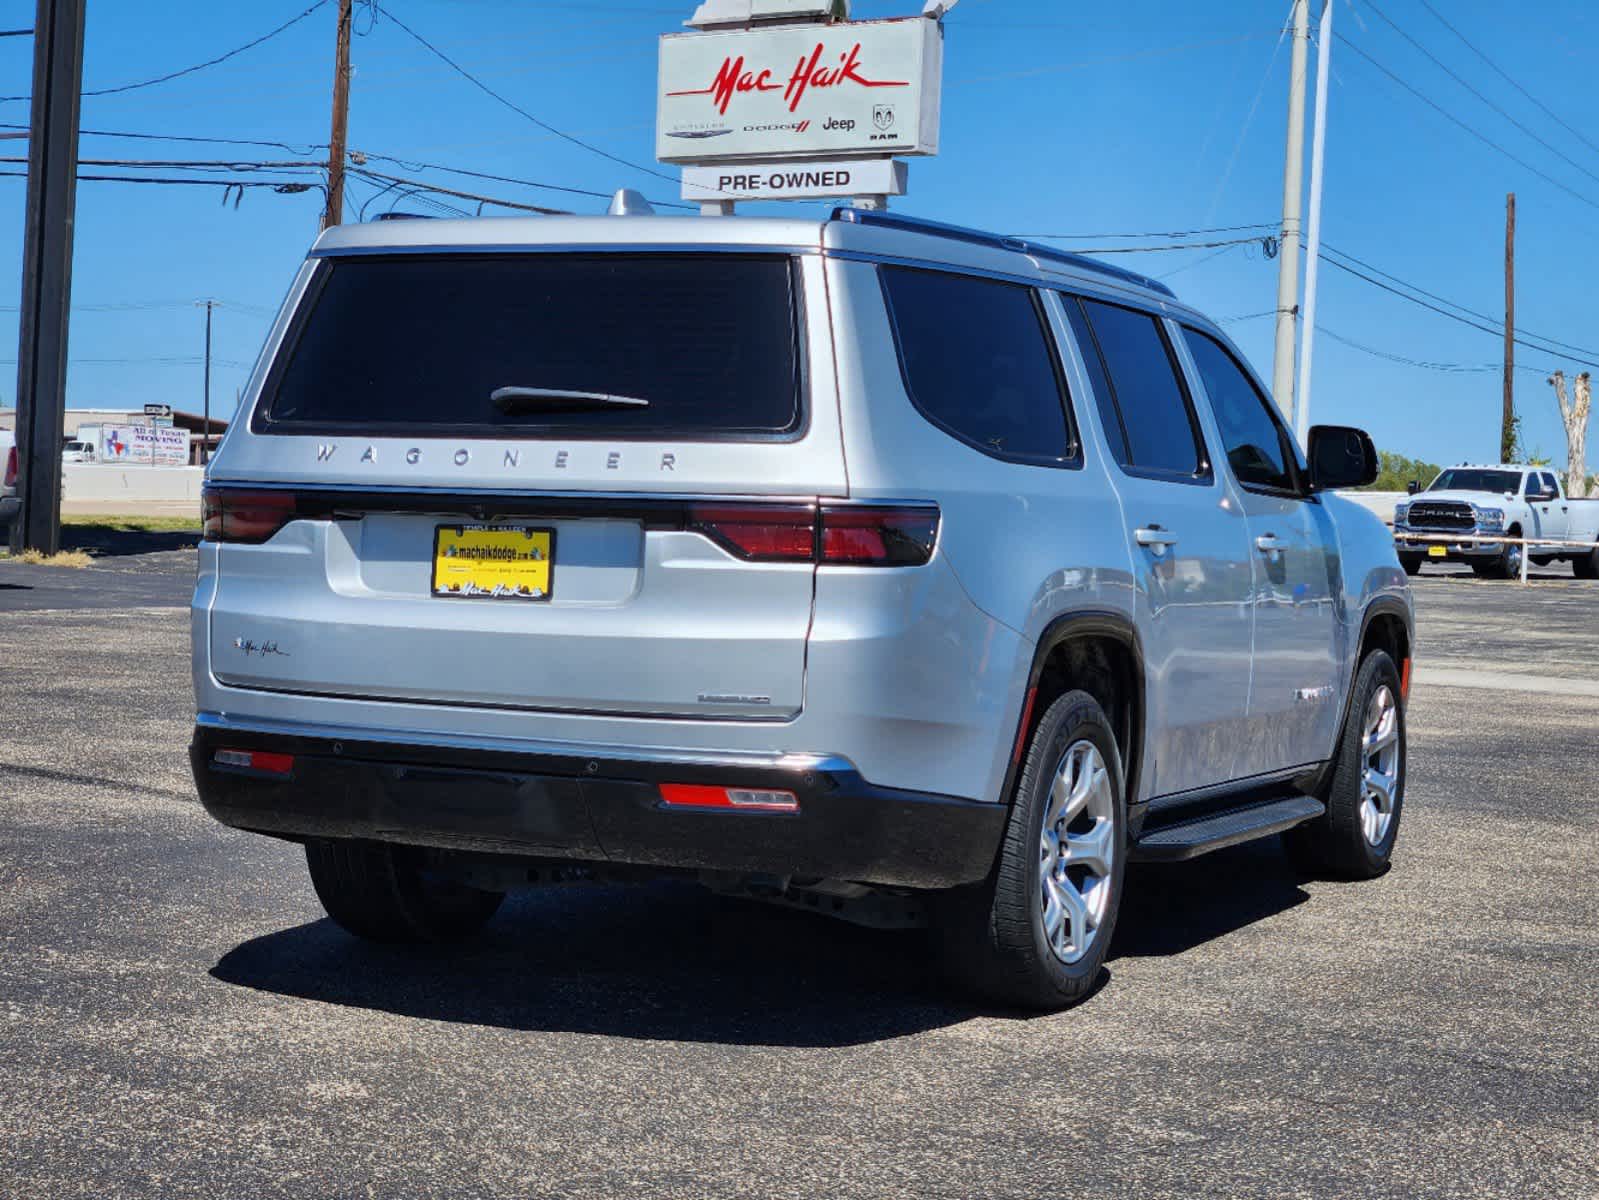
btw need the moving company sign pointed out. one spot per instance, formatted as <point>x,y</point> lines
<point>860,87</point>
<point>157,445</point>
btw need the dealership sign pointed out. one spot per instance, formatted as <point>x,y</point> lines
<point>798,91</point>
<point>806,180</point>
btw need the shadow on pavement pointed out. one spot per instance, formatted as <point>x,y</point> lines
<point>653,961</point>
<point>1170,908</point>
<point>112,540</point>
<point>670,962</point>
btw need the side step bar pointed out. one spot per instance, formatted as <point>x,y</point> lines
<point>1212,831</point>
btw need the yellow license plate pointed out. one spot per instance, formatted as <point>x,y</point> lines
<point>1437,551</point>
<point>493,562</point>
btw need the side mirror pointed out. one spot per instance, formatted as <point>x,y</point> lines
<point>1340,457</point>
<point>1413,487</point>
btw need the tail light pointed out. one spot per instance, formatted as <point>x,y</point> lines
<point>841,535</point>
<point>231,515</point>
<point>11,467</point>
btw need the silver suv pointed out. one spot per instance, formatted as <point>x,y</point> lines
<point>886,568</point>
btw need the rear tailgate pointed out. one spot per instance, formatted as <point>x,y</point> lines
<point>381,495</point>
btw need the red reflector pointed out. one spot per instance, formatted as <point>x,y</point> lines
<point>759,532</point>
<point>1027,719</point>
<point>249,517</point>
<point>11,467</point>
<point>255,760</point>
<point>694,795</point>
<point>878,537</point>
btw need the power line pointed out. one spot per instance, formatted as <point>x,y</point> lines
<point>1436,61</point>
<point>210,62</point>
<point>1503,74</point>
<point>282,187</point>
<point>1492,320</point>
<point>1444,312</point>
<point>1180,246</point>
<point>424,186</point>
<point>1481,137</point>
<point>516,108</point>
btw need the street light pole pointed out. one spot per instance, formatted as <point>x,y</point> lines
<point>205,436</point>
<point>1282,378</point>
<point>1318,145</point>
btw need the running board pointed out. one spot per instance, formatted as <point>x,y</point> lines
<point>1229,827</point>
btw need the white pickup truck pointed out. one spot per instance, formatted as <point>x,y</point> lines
<point>1505,501</point>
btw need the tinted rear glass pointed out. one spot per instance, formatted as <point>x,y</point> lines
<point>978,363</point>
<point>419,345</point>
<point>1473,479</point>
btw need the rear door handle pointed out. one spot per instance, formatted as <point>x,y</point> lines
<point>1267,543</point>
<point>1155,537</point>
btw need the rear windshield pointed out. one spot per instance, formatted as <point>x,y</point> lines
<point>1472,479</point>
<point>575,345</point>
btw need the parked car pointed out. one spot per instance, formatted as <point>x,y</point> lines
<point>873,565</point>
<point>10,501</point>
<point>1509,500</point>
<point>77,452</point>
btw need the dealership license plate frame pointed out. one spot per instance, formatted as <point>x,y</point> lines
<point>461,530</point>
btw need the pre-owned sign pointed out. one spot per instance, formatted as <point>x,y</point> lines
<point>806,180</point>
<point>861,87</point>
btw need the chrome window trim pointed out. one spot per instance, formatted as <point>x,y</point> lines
<point>475,248</point>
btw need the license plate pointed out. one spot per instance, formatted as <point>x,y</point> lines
<point>493,562</point>
<point>1437,551</point>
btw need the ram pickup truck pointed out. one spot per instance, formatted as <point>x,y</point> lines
<point>1471,503</point>
<point>868,565</point>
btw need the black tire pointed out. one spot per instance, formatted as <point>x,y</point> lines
<point>1336,844</point>
<point>1507,564</point>
<point>993,934</point>
<point>1586,566</point>
<point>382,893</point>
<point>1412,563</point>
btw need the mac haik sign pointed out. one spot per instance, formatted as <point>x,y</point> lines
<point>796,91</point>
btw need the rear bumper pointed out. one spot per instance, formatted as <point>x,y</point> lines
<point>10,506</point>
<point>601,809</point>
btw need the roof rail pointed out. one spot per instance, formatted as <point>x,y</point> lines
<point>959,233</point>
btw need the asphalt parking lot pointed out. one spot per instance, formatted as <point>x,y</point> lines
<point>177,1020</point>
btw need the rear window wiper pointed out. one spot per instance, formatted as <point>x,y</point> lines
<point>528,399</point>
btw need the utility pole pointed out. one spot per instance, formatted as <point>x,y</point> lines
<point>1318,147</point>
<point>341,119</point>
<point>1507,427</point>
<point>205,436</point>
<point>1282,377</point>
<point>47,270</point>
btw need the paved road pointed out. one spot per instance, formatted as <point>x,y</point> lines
<point>176,1020</point>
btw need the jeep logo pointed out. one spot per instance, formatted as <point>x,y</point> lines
<point>836,123</point>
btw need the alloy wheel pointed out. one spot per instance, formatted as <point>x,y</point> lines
<point>1076,852</point>
<point>1380,765</point>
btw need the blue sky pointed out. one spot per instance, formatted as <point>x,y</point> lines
<point>1146,115</point>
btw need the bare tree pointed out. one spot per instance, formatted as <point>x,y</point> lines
<point>1574,413</point>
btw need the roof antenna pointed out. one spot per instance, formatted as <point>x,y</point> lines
<point>629,203</point>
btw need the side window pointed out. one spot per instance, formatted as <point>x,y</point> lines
<point>1549,485</point>
<point>978,363</point>
<point>1109,418</point>
<point>1532,484</point>
<point>1159,432</point>
<point>1255,442</point>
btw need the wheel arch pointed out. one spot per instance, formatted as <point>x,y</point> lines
<point>1098,652</point>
